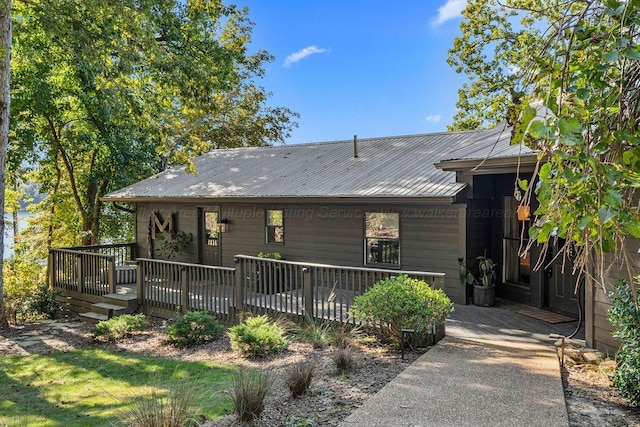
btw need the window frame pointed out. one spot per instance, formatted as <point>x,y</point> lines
<point>268,227</point>
<point>512,232</point>
<point>367,262</point>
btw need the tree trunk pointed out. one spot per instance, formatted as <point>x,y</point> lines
<point>5,78</point>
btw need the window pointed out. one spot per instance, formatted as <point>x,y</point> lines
<point>211,228</point>
<point>275,226</point>
<point>382,238</point>
<point>516,268</point>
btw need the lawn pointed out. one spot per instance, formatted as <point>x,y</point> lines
<point>93,387</point>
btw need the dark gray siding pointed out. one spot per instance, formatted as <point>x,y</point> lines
<point>430,236</point>
<point>598,329</point>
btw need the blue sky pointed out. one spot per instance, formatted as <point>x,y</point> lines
<point>371,68</point>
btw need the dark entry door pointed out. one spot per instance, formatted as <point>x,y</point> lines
<point>209,235</point>
<point>560,285</point>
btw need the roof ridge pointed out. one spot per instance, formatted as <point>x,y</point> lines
<point>320,143</point>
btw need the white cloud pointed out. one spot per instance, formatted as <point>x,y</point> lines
<point>433,118</point>
<point>450,10</point>
<point>301,54</point>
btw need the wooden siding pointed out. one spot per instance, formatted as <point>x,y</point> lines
<point>598,329</point>
<point>330,234</point>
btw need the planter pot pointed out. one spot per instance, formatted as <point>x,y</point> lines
<point>427,339</point>
<point>484,296</point>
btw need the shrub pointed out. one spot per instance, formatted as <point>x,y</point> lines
<point>299,378</point>
<point>401,302</point>
<point>119,327</point>
<point>195,327</point>
<point>343,359</point>
<point>315,332</point>
<point>44,302</point>
<point>248,390</point>
<point>176,407</point>
<point>342,336</point>
<point>257,336</point>
<point>625,317</point>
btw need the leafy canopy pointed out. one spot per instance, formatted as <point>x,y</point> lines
<point>107,93</point>
<point>567,77</point>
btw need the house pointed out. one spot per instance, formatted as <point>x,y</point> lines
<point>415,202</point>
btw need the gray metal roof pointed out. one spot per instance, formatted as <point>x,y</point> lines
<point>398,167</point>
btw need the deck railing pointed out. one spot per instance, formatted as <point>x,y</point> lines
<point>319,290</point>
<point>301,289</point>
<point>82,272</point>
<point>170,287</point>
<point>124,253</point>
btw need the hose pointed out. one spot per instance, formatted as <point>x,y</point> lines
<point>579,310</point>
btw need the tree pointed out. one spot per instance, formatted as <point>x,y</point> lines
<point>107,93</point>
<point>5,100</point>
<point>585,70</point>
<point>497,41</point>
<point>588,77</point>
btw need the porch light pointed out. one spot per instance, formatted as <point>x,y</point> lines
<point>223,224</point>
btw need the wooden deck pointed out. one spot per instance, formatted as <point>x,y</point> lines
<point>470,321</point>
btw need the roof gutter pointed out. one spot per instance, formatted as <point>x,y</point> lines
<point>488,164</point>
<point>392,200</point>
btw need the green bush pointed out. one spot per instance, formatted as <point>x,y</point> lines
<point>44,302</point>
<point>625,317</point>
<point>314,331</point>
<point>257,336</point>
<point>119,327</point>
<point>401,302</point>
<point>195,327</point>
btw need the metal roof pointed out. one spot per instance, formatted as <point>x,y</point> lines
<point>398,167</point>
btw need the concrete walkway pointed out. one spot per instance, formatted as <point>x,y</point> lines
<point>484,373</point>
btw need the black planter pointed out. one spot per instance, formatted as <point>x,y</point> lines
<point>484,296</point>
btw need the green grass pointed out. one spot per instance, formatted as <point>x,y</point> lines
<point>88,388</point>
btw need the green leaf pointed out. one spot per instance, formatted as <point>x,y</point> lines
<point>523,184</point>
<point>606,214</point>
<point>632,228</point>
<point>584,222</point>
<point>613,199</point>
<point>611,56</point>
<point>538,129</point>
<point>632,54</point>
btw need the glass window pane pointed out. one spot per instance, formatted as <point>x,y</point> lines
<point>274,217</point>
<point>382,240</point>
<point>275,226</point>
<point>380,224</point>
<point>211,227</point>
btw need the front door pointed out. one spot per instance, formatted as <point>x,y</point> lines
<point>560,283</point>
<point>209,235</point>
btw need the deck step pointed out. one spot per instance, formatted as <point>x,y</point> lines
<point>93,317</point>
<point>105,308</point>
<point>129,302</point>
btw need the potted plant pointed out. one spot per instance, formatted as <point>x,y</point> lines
<point>484,291</point>
<point>467,280</point>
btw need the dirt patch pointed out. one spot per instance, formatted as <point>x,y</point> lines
<point>591,401</point>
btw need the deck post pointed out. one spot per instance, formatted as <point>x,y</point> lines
<point>239,289</point>
<point>111,279</point>
<point>52,267</point>
<point>79,273</point>
<point>184,294</point>
<point>139,282</point>
<point>307,292</point>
